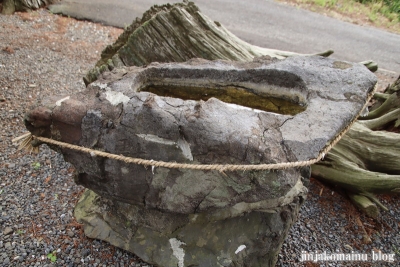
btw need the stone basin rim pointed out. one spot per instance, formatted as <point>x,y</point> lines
<point>121,86</point>
<point>219,167</point>
<point>313,91</point>
<point>269,90</point>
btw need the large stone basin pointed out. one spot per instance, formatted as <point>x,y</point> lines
<point>202,112</point>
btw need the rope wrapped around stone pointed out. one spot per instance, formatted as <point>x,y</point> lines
<point>27,138</point>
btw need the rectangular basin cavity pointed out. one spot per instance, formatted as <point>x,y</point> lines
<point>232,95</point>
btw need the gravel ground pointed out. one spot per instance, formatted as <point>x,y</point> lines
<point>42,54</point>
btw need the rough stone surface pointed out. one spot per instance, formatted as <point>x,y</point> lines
<point>202,239</point>
<point>306,101</point>
<point>117,115</point>
<point>7,231</point>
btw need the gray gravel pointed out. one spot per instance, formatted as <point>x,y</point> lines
<point>328,222</point>
<point>42,54</point>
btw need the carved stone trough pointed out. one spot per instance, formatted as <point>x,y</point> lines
<point>202,112</point>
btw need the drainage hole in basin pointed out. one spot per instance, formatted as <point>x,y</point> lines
<point>232,95</point>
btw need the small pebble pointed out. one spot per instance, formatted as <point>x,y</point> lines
<point>70,233</point>
<point>7,231</point>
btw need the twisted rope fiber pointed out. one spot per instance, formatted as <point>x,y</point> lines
<point>219,167</point>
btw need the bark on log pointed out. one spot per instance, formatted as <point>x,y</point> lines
<point>391,102</point>
<point>365,204</point>
<point>11,6</point>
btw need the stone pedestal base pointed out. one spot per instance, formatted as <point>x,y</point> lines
<point>217,238</point>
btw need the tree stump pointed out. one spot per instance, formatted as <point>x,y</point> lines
<point>11,6</point>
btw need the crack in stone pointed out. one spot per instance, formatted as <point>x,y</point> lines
<point>119,117</point>
<point>197,207</point>
<point>135,96</point>
<point>286,120</point>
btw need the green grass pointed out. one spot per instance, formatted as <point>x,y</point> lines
<point>396,250</point>
<point>381,13</point>
<point>324,3</point>
<point>36,165</point>
<point>349,7</point>
<point>372,16</point>
<point>52,256</point>
<point>389,8</point>
<point>20,232</point>
<point>319,2</point>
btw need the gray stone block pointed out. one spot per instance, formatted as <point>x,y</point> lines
<point>202,112</point>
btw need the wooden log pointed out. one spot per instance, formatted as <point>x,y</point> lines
<point>8,7</point>
<point>363,161</point>
<point>365,205</point>
<point>392,102</point>
<point>377,123</point>
<point>11,6</point>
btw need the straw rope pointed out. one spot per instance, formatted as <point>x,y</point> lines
<point>27,138</point>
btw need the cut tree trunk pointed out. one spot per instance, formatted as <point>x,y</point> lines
<point>365,204</point>
<point>363,161</point>
<point>11,6</point>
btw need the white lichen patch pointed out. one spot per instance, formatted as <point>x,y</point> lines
<point>124,170</point>
<point>177,251</point>
<point>185,147</point>
<point>194,217</point>
<point>116,98</point>
<point>58,103</point>
<point>152,168</point>
<point>155,139</point>
<point>100,85</point>
<point>113,97</point>
<point>240,248</point>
